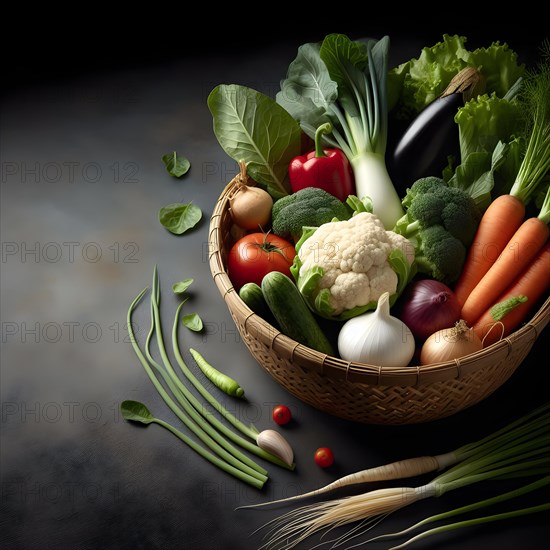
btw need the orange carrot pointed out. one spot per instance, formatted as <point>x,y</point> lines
<point>497,226</point>
<point>532,283</point>
<point>516,256</point>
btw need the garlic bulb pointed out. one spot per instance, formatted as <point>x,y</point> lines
<point>377,338</point>
<point>274,443</point>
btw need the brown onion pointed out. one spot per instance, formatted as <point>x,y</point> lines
<point>449,344</point>
<point>250,207</point>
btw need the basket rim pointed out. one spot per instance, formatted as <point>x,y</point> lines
<point>351,371</point>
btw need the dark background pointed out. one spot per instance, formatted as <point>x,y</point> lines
<point>54,45</point>
<point>101,88</point>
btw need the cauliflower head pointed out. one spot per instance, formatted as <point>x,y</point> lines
<point>343,267</point>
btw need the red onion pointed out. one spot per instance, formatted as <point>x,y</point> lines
<point>428,306</point>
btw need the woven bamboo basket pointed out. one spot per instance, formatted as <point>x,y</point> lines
<point>357,391</point>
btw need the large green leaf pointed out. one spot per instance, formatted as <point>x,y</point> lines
<point>499,65</point>
<point>308,92</point>
<point>486,120</point>
<point>346,61</point>
<point>360,71</point>
<point>253,128</point>
<point>307,78</point>
<point>341,54</point>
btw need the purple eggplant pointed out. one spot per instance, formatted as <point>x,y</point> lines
<point>425,146</point>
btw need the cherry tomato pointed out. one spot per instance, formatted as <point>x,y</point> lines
<point>281,415</point>
<point>324,457</point>
<point>256,255</point>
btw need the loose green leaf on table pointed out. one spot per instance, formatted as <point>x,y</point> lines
<point>181,286</point>
<point>176,165</point>
<point>193,322</point>
<point>136,411</point>
<point>179,217</point>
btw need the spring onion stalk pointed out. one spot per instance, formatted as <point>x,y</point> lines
<point>520,450</point>
<point>191,406</point>
<point>250,431</point>
<point>520,491</point>
<point>520,428</point>
<point>137,412</point>
<point>245,473</point>
<point>181,393</point>
<point>188,400</point>
<point>476,521</point>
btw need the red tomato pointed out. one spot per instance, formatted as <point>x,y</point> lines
<point>281,415</point>
<point>324,457</point>
<point>256,255</point>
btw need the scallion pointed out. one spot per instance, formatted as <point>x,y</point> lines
<point>520,449</point>
<point>138,412</point>
<point>218,437</point>
<point>470,508</point>
<point>213,427</point>
<point>248,472</point>
<point>250,431</point>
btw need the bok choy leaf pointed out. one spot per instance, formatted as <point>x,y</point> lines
<point>343,82</point>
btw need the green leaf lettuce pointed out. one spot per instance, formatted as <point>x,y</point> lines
<point>416,83</point>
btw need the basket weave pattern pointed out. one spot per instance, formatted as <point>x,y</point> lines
<point>358,391</point>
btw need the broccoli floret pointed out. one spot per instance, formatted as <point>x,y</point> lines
<point>439,254</point>
<point>425,210</point>
<point>460,216</point>
<point>430,203</point>
<point>310,206</point>
<point>420,187</point>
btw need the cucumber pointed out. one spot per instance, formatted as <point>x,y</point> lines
<point>292,313</point>
<point>251,294</point>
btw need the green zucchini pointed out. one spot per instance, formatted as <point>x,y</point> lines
<point>292,313</point>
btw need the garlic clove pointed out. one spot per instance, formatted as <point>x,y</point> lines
<point>273,442</point>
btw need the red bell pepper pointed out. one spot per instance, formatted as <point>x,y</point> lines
<point>328,169</point>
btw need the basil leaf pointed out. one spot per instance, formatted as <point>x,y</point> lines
<point>193,322</point>
<point>176,165</point>
<point>179,217</point>
<point>181,286</point>
<point>253,128</point>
